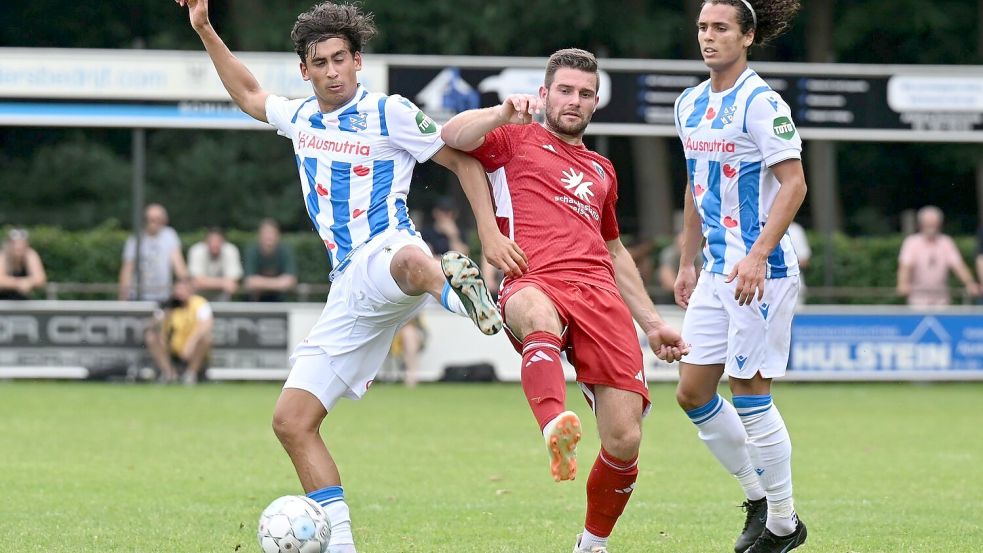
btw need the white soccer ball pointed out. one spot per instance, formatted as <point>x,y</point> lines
<point>294,524</point>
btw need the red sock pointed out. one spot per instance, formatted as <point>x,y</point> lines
<point>542,376</point>
<point>609,487</point>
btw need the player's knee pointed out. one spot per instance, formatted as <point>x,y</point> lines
<point>623,442</point>
<point>290,430</point>
<point>690,398</point>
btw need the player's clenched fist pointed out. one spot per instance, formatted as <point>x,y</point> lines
<point>197,12</point>
<point>519,109</point>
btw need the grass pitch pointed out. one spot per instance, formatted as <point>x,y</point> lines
<point>461,468</point>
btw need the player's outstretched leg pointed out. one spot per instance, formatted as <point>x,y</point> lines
<point>771,450</point>
<point>721,430</point>
<point>464,278</point>
<point>612,478</point>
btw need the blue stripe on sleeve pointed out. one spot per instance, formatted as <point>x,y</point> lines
<point>382,185</point>
<point>750,99</point>
<point>699,107</point>
<point>717,239</point>
<point>747,193</point>
<point>341,189</point>
<point>382,116</point>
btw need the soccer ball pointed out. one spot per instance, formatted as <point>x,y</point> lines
<point>294,524</point>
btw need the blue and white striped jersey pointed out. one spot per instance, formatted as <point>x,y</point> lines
<point>731,139</point>
<point>355,163</point>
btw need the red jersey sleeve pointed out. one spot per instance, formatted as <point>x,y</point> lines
<point>496,150</point>
<point>609,217</point>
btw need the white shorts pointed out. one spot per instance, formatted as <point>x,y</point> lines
<point>346,347</point>
<point>746,339</point>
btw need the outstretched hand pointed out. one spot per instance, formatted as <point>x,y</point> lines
<point>197,12</point>
<point>667,343</point>
<point>520,109</point>
<point>504,254</point>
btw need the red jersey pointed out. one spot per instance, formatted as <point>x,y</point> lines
<point>557,201</point>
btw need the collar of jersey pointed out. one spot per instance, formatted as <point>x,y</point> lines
<point>360,93</point>
<point>740,79</point>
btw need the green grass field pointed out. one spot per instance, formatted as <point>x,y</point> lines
<point>460,468</point>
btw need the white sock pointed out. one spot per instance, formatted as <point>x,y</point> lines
<point>588,540</point>
<point>341,523</point>
<point>724,435</point>
<point>450,301</point>
<point>771,451</point>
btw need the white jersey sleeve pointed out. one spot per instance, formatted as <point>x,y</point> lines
<point>769,123</point>
<point>280,111</point>
<point>411,129</point>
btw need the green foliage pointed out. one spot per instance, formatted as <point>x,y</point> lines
<point>460,469</point>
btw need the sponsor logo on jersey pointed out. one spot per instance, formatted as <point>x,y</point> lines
<point>725,146</point>
<point>581,208</point>
<point>764,309</point>
<point>537,357</point>
<point>311,142</point>
<point>425,123</point>
<point>783,127</point>
<point>741,361</point>
<point>759,472</point>
<point>575,181</point>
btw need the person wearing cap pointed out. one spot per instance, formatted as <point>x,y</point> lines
<point>21,270</point>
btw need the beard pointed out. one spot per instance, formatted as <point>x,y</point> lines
<point>569,129</point>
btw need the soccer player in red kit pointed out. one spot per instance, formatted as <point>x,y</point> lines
<point>556,199</point>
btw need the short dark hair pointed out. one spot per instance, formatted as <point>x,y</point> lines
<point>573,58</point>
<point>329,20</point>
<point>774,17</point>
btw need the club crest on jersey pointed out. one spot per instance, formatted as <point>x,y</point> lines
<point>599,170</point>
<point>727,115</point>
<point>358,121</point>
<point>575,181</point>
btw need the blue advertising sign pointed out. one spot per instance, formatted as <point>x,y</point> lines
<point>935,346</point>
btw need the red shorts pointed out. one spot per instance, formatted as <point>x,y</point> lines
<point>600,338</point>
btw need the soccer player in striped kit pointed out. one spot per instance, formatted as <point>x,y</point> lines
<point>557,199</point>
<point>745,184</point>
<point>355,153</point>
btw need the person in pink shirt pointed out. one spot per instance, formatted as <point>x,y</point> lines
<point>925,261</point>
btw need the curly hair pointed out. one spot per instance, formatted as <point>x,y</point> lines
<point>774,16</point>
<point>329,20</point>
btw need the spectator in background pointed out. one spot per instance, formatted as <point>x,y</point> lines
<point>925,261</point>
<point>21,270</point>
<point>180,339</point>
<point>443,234</point>
<point>271,266</point>
<point>800,245</point>
<point>160,259</point>
<point>215,266</point>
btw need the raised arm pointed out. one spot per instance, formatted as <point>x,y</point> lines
<point>466,131</point>
<point>242,86</point>
<point>497,248</point>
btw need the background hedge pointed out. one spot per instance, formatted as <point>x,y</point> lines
<point>94,255</point>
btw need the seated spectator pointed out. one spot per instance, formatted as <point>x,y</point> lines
<point>215,266</point>
<point>271,267</point>
<point>925,261</point>
<point>180,338</point>
<point>21,270</point>
<point>160,259</point>
<point>443,234</point>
